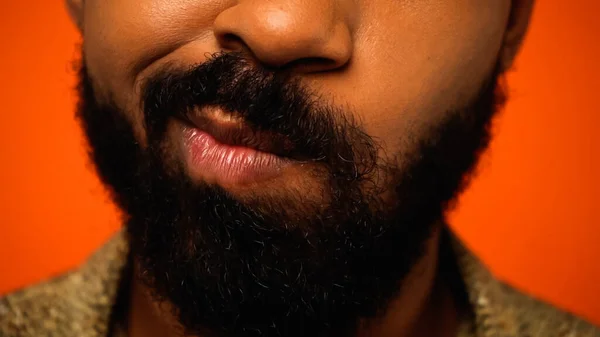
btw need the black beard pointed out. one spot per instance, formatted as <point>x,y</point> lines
<point>264,268</point>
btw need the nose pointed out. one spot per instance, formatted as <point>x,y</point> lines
<point>307,35</point>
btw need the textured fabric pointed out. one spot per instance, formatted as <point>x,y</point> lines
<point>76,304</point>
<point>81,302</point>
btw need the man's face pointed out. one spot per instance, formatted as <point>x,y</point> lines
<point>400,65</point>
<point>281,163</point>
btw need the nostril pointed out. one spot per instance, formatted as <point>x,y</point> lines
<point>311,64</point>
<point>231,41</point>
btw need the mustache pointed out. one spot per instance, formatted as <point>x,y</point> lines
<point>269,102</point>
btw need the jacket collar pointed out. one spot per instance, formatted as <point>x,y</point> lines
<point>85,301</point>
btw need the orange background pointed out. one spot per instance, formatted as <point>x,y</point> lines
<point>531,215</point>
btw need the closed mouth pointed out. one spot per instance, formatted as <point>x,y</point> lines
<point>235,132</point>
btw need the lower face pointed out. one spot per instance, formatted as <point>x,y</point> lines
<point>267,199</point>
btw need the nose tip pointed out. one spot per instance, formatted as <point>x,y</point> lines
<point>308,37</point>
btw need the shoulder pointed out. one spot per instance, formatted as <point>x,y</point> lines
<point>501,310</point>
<point>42,310</point>
<point>534,317</point>
<point>77,303</point>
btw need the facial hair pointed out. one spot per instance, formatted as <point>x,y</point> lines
<point>267,267</point>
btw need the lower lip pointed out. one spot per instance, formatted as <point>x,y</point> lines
<point>214,162</point>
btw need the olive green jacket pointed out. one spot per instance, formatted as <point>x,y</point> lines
<point>81,303</point>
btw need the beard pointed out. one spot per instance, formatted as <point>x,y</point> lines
<point>277,264</point>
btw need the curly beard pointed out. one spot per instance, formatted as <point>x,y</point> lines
<point>277,266</point>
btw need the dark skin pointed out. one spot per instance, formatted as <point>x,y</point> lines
<point>408,56</point>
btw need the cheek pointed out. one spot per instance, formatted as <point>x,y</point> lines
<point>414,64</point>
<point>123,38</point>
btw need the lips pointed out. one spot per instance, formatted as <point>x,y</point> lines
<point>233,132</point>
<point>223,150</point>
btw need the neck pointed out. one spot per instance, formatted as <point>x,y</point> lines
<point>423,307</point>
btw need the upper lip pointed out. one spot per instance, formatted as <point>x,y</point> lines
<point>240,134</point>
